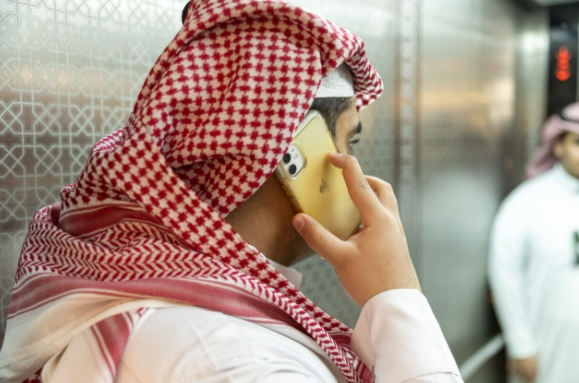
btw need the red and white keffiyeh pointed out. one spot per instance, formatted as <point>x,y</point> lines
<point>544,159</point>
<point>143,226</point>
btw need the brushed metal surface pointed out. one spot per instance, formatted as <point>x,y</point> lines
<point>482,96</point>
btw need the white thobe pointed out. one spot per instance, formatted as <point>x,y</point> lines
<point>534,274</point>
<point>397,335</point>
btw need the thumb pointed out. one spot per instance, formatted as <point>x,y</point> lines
<point>319,239</point>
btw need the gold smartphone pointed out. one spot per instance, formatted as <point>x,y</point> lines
<point>314,185</point>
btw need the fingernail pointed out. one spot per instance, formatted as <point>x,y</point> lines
<point>299,223</point>
<point>336,154</point>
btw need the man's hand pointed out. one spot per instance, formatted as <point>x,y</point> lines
<point>525,368</point>
<point>376,258</point>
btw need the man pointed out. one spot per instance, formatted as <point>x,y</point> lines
<point>534,260</point>
<point>166,261</point>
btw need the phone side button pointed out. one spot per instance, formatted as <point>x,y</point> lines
<point>289,194</point>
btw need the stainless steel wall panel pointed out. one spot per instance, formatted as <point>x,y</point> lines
<point>532,62</point>
<point>70,72</point>
<point>407,124</point>
<point>467,99</point>
<point>473,88</point>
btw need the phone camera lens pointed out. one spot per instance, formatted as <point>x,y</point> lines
<point>293,169</point>
<point>287,158</point>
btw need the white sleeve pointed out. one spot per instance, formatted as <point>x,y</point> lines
<point>507,255</point>
<point>398,337</point>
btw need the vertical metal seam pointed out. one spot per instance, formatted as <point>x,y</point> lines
<point>407,124</point>
<point>417,140</point>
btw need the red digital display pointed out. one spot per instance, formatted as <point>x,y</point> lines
<point>563,70</point>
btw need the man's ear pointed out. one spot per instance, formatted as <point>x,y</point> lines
<point>559,148</point>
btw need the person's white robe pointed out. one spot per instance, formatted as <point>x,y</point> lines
<point>397,335</point>
<point>534,276</point>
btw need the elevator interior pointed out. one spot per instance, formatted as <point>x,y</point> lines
<point>466,84</point>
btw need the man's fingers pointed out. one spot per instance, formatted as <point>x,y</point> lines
<point>386,196</point>
<point>319,239</point>
<point>360,191</point>
<point>384,192</point>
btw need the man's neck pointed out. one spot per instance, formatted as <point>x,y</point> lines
<point>264,221</point>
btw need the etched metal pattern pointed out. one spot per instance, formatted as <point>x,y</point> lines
<point>408,115</point>
<point>70,71</point>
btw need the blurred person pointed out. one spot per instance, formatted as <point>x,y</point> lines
<point>534,259</point>
<point>168,259</point>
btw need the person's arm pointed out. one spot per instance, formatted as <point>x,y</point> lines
<point>398,337</point>
<point>508,248</point>
<point>401,340</point>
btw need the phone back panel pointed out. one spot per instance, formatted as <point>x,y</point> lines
<point>319,190</point>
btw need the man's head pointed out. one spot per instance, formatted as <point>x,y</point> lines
<point>230,170</point>
<point>560,135</point>
<point>567,152</point>
<point>265,219</point>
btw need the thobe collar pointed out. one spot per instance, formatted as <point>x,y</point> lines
<point>292,275</point>
<point>569,181</point>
